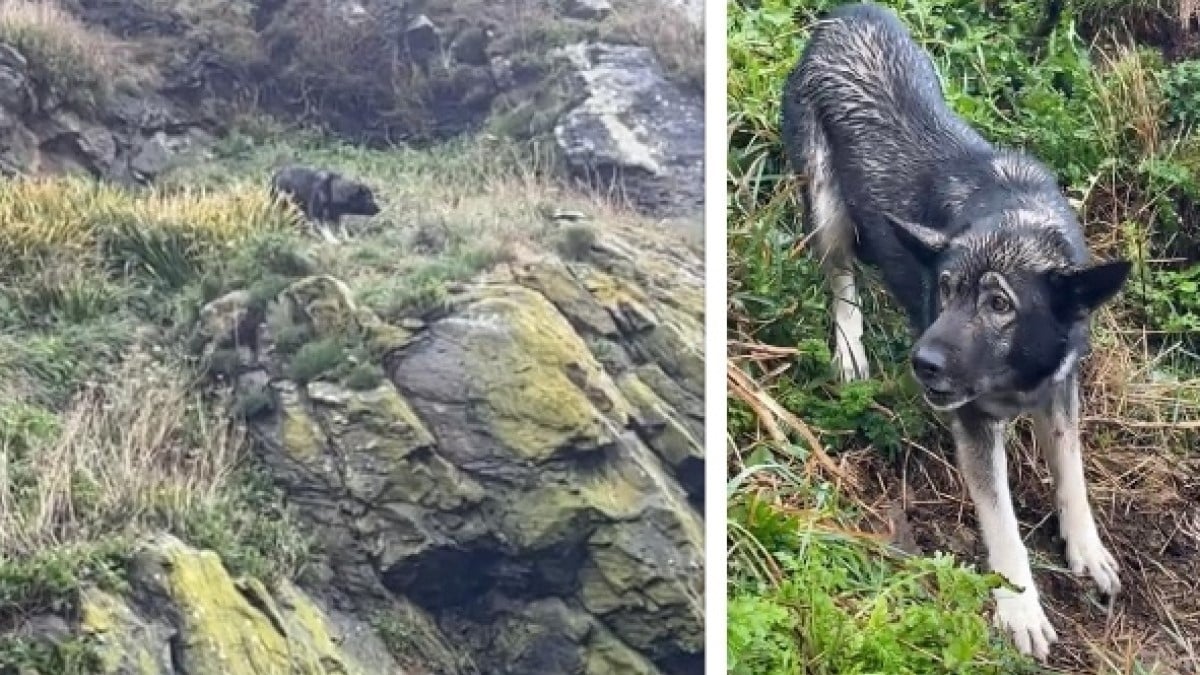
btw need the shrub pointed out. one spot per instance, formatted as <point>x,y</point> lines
<point>315,359</point>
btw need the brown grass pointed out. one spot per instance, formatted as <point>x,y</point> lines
<point>675,38</point>
<point>79,64</point>
<point>124,457</point>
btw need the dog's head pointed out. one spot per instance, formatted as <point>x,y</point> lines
<point>1008,304</point>
<point>352,197</point>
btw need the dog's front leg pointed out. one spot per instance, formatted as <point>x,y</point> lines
<point>979,447</point>
<point>1056,428</point>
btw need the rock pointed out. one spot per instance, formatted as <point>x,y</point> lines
<point>16,90</point>
<point>70,142</point>
<point>636,127</point>
<point>470,45</point>
<point>500,480</point>
<point>154,155</point>
<point>422,39</point>
<point>18,146</point>
<point>227,320</point>
<point>588,10</point>
<point>185,613</point>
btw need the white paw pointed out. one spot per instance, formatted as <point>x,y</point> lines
<point>1021,615</point>
<point>850,360</point>
<point>1085,554</point>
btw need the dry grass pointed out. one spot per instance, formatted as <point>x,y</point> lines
<point>675,38</point>
<point>69,217</point>
<point>1133,106</point>
<point>141,449</point>
<point>77,63</point>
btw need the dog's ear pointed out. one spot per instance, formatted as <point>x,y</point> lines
<point>925,243</point>
<point>1078,293</point>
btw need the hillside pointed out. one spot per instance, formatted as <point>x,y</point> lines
<point>466,440</point>
<point>853,542</point>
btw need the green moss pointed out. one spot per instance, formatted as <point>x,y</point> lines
<point>226,633</point>
<point>532,404</point>
<point>298,435</point>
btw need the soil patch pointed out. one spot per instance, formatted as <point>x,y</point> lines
<point>1147,507</point>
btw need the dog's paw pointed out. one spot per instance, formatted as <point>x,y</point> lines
<point>1021,615</point>
<point>1085,554</point>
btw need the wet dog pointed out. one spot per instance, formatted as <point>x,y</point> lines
<point>324,197</point>
<point>984,254</point>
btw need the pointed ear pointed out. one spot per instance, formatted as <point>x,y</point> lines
<point>925,243</point>
<point>1078,293</point>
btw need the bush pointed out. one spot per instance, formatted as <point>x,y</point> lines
<point>315,359</point>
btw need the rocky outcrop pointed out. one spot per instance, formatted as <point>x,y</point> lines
<point>131,139</point>
<point>528,473</point>
<point>183,613</point>
<point>620,121</point>
<point>635,128</point>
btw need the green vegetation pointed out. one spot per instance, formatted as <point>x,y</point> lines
<point>811,590</point>
<point>109,429</point>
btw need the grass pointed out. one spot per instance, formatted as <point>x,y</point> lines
<point>77,64</point>
<point>809,455</point>
<point>676,39</point>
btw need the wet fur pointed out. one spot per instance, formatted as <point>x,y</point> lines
<point>324,196</point>
<point>894,179</point>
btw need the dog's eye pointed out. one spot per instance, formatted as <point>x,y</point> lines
<point>999,304</point>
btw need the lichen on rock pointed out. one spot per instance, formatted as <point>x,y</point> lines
<point>184,613</point>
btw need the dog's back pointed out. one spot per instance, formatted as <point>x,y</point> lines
<point>865,107</point>
<point>865,120</point>
<point>300,184</point>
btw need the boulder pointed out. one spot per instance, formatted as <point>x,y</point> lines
<point>184,613</point>
<point>538,504</point>
<point>635,127</point>
<point>588,10</point>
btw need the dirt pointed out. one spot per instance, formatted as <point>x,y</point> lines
<point>1147,507</point>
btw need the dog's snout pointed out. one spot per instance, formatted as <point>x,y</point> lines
<point>928,362</point>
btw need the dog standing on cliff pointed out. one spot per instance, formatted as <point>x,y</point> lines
<point>324,197</point>
<point>984,254</point>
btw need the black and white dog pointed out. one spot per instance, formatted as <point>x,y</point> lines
<point>324,196</point>
<point>984,254</point>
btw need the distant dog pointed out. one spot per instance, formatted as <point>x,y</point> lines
<point>324,196</point>
<point>983,253</point>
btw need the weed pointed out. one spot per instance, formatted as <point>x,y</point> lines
<point>364,376</point>
<point>316,359</point>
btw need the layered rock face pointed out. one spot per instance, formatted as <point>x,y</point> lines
<point>184,613</point>
<point>635,128</point>
<point>530,474</point>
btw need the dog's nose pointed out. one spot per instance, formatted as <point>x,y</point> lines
<point>928,362</point>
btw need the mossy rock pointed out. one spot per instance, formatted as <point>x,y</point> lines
<point>532,384</point>
<point>185,603</point>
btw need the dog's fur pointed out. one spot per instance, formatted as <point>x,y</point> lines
<point>324,196</point>
<point>984,254</point>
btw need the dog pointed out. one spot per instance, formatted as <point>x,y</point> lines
<point>324,197</point>
<point>985,256</point>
